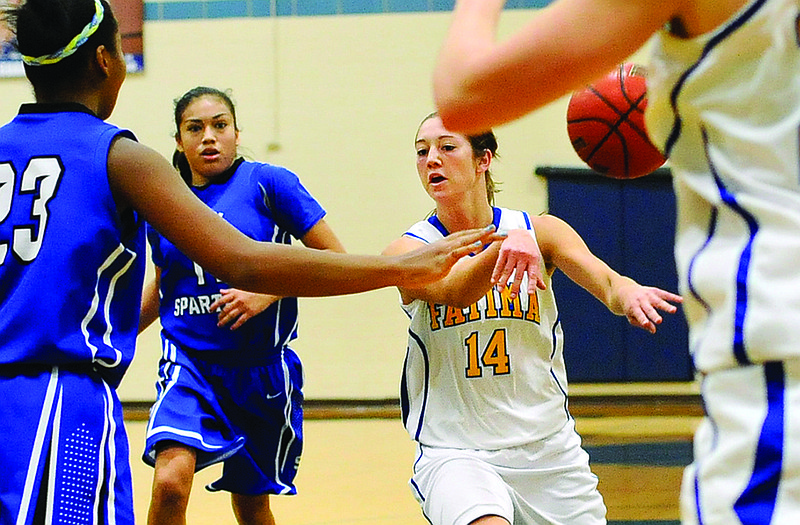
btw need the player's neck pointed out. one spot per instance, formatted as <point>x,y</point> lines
<point>458,218</point>
<point>90,100</point>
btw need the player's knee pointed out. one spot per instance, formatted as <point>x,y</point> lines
<point>171,488</point>
<point>252,509</point>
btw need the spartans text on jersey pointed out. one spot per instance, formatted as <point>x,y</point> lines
<point>195,305</point>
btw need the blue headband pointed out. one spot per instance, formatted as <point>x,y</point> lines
<point>73,44</point>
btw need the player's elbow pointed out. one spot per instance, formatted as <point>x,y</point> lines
<point>450,103</point>
<point>458,117</point>
<point>240,270</point>
<point>461,112</point>
<point>452,116</point>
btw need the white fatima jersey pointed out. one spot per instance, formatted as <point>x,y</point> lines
<point>725,107</point>
<point>488,376</point>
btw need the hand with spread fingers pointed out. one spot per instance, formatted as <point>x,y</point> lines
<point>640,304</point>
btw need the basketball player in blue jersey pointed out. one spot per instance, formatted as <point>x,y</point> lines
<point>484,389</point>
<point>724,106</point>
<point>74,192</point>
<point>230,388</point>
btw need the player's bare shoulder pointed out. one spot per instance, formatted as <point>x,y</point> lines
<point>553,235</point>
<point>401,245</point>
<point>699,17</point>
<point>547,227</point>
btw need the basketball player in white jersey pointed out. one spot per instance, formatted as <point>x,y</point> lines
<point>484,389</point>
<point>724,106</point>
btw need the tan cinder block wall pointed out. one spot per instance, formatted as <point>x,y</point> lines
<point>337,99</point>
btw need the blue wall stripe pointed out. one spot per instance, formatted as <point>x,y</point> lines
<point>260,8</point>
<point>183,10</point>
<point>284,7</point>
<point>442,5</point>
<point>351,7</point>
<point>152,11</point>
<point>228,9</point>
<point>212,9</point>
<point>408,6</point>
<point>317,7</point>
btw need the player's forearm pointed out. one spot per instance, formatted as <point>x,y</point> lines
<point>471,33</point>
<point>616,299</point>
<point>150,305</point>
<point>476,18</point>
<point>301,272</point>
<point>468,289</point>
<point>465,284</point>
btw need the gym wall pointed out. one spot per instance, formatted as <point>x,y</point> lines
<point>333,90</point>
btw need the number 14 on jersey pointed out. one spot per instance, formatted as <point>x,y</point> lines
<point>492,354</point>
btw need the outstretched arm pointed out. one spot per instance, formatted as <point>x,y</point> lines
<point>142,179</point>
<point>472,277</point>
<point>238,306</point>
<point>479,83</point>
<point>562,246</point>
<point>467,281</point>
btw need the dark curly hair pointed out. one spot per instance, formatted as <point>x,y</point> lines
<point>42,27</point>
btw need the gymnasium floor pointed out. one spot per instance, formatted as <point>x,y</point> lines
<point>357,461</point>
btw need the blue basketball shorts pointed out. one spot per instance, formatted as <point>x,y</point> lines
<point>64,457</point>
<point>249,417</point>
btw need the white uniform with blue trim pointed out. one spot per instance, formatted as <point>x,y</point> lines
<point>484,393</point>
<point>501,360</point>
<point>725,107</point>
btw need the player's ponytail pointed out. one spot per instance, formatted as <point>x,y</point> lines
<point>482,143</point>
<point>181,163</point>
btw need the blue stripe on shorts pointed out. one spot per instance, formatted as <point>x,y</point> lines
<point>65,457</point>
<point>756,504</point>
<point>248,417</point>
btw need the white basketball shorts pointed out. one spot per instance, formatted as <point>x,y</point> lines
<point>746,467</point>
<point>546,482</point>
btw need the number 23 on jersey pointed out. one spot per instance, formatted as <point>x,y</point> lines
<point>40,179</point>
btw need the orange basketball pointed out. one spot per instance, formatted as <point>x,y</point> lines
<point>605,122</point>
